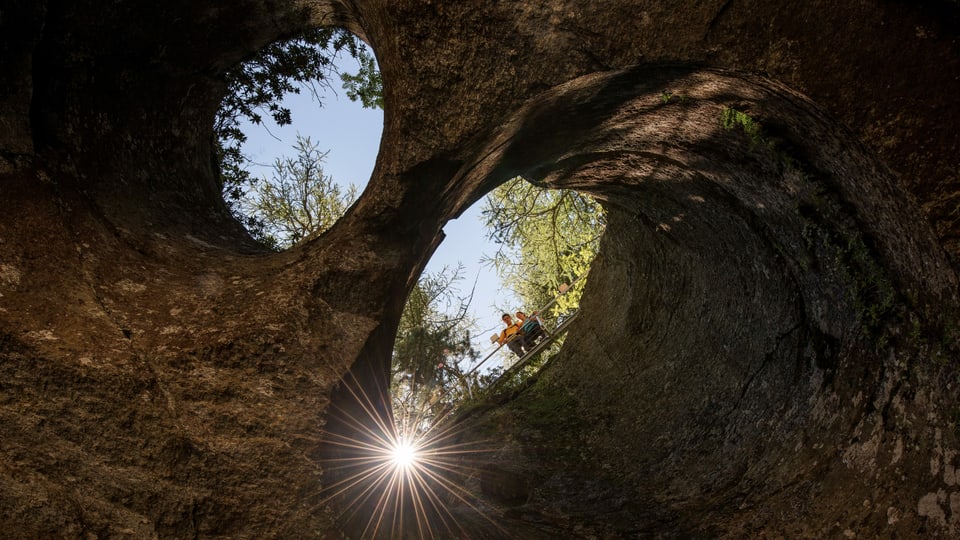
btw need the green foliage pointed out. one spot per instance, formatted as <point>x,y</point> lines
<point>667,97</point>
<point>367,85</point>
<point>827,239</point>
<point>433,340</point>
<point>299,200</point>
<point>517,378</point>
<point>429,334</point>
<point>732,118</point>
<point>549,407</point>
<point>954,418</point>
<point>941,340</point>
<point>547,238</point>
<point>759,139</point>
<point>872,294</point>
<point>257,86</point>
<point>255,89</point>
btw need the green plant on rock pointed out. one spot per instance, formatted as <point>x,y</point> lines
<point>760,139</point>
<point>731,118</point>
<point>954,416</point>
<point>667,97</point>
<point>945,347</point>
<point>547,406</point>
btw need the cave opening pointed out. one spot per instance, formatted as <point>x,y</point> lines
<point>523,253</point>
<point>404,459</point>
<point>743,283</point>
<point>293,153</point>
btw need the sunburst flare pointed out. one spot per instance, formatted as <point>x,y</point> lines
<point>391,481</point>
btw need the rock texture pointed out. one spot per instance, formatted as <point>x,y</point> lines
<point>768,342</point>
<point>745,367</point>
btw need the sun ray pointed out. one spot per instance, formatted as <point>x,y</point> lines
<point>378,516</point>
<point>355,480</point>
<point>394,476</point>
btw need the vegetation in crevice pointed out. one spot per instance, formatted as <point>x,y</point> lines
<point>761,139</point>
<point>731,118</point>
<point>832,243</point>
<point>872,293</point>
<point>668,97</point>
<point>954,415</point>
<point>547,406</point>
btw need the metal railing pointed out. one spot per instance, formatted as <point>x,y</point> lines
<point>543,343</point>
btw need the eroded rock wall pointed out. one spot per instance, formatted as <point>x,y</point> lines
<point>751,360</point>
<point>160,375</point>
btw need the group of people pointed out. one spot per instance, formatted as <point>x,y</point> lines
<point>520,335</point>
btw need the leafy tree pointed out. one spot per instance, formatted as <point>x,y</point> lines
<point>256,88</point>
<point>433,340</point>
<point>299,200</point>
<point>366,86</point>
<point>547,238</point>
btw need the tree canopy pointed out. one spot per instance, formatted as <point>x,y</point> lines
<point>366,86</point>
<point>549,237</point>
<point>299,200</point>
<point>255,88</point>
<point>432,347</point>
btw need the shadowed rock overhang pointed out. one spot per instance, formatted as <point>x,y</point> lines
<point>768,338</point>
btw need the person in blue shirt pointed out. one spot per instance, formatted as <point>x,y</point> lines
<point>531,328</point>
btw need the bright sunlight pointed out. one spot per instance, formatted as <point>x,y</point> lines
<point>394,481</point>
<point>404,454</point>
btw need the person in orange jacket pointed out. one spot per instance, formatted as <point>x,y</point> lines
<point>511,335</point>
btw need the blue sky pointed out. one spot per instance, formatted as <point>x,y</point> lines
<point>352,136</point>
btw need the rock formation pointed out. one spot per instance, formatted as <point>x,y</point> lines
<point>768,341</point>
